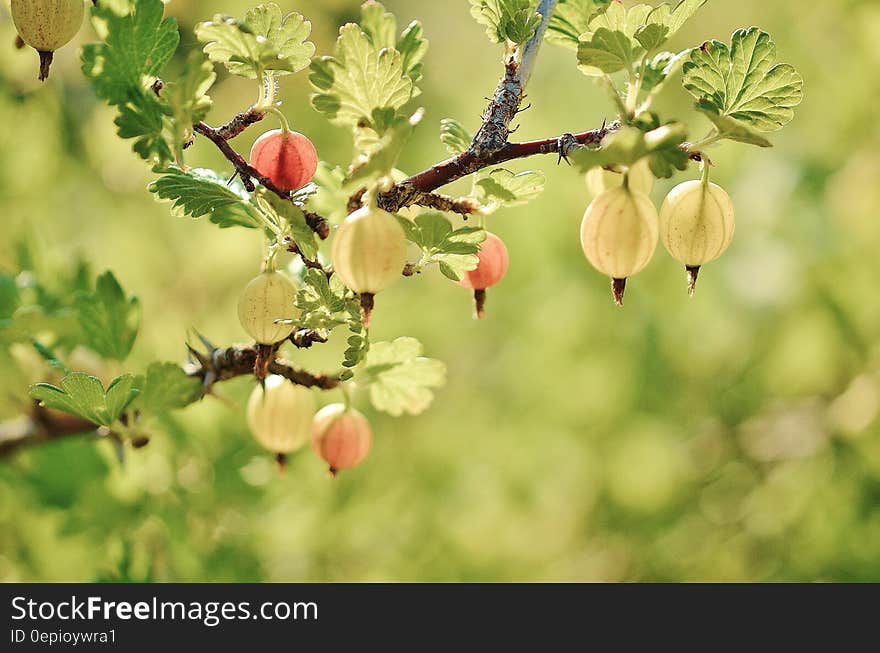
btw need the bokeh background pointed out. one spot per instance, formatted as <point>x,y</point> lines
<point>729,437</point>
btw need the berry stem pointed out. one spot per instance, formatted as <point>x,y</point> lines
<point>45,62</point>
<point>285,126</point>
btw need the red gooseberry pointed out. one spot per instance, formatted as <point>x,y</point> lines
<point>289,160</point>
<point>492,266</point>
<point>341,436</point>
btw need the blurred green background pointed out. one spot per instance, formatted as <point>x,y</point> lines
<point>731,437</point>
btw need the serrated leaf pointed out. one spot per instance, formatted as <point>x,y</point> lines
<point>742,82</point>
<point>617,18</point>
<point>288,213</point>
<point>661,146</point>
<point>652,36</point>
<point>265,41</point>
<point>330,200</point>
<point>454,136</point>
<point>733,129</point>
<point>657,70</point>
<point>380,27</point>
<point>499,188</point>
<point>199,191</point>
<point>358,79</point>
<point>324,303</point>
<point>664,21</point>
<point>188,100</point>
<point>507,20</point>
<point>109,319</point>
<point>83,395</point>
<point>455,250</point>
<point>167,387</point>
<point>380,158</point>
<point>142,118</point>
<point>138,44</point>
<point>606,51</point>
<point>570,19</point>
<point>400,378</point>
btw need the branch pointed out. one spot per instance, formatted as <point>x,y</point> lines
<point>39,427</point>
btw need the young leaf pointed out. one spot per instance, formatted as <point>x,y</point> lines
<point>513,21</point>
<point>455,250</point>
<point>607,52</point>
<point>188,99</point>
<point>292,215</point>
<point>570,19</point>
<point>742,83</point>
<point>657,71</point>
<point>358,80</point>
<point>400,378</point>
<point>382,155</point>
<point>662,147</point>
<point>109,319</point>
<point>265,41</point>
<point>502,188</point>
<point>380,27</point>
<point>83,395</point>
<point>200,191</point>
<point>323,302</point>
<point>167,387</point>
<point>454,136</point>
<point>137,45</point>
<point>664,21</point>
<point>330,200</point>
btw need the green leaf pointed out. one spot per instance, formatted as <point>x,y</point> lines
<point>570,19</point>
<point>265,41</point>
<point>358,80</point>
<point>502,188</point>
<point>137,45</point>
<point>662,147</point>
<point>167,387</point>
<point>109,320</point>
<point>733,129</point>
<point>454,136</point>
<point>287,212</point>
<point>616,18</point>
<point>188,99</point>
<point>9,297</point>
<point>143,119</point>
<point>401,379</point>
<point>380,158</point>
<point>664,21</point>
<point>657,71</point>
<point>742,83</point>
<point>200,191</point>
<point>380,28</point>
<point>455,250</point>
<point>607,52</point>
<point>83,395</point>
<point>513,21</point>
<point>652,36</point>
<point>325,303</point>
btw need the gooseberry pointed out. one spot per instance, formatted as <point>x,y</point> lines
<point>341,436</point>
<point>696,225</point>
<point>269,297</point>
<point>46,25</point>
<point>619,234</point>
<point>369,252</point>
<point>492,266</point>
<point>280,414</point>
<point>640,178</point>
<point>288,159</point>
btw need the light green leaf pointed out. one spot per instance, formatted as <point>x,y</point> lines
<point>606,52</point>
<point>380,27</point>
<point>664,21</point>
<point>454,249</point>
<point>499,188</point>
<point>136,47</point>
<point>657,71</point>
<point>167,387</point>
<point>287,212</point>
<point>570,19</point>
<point>662,147</point>
<point>616,18</point>
<point>733,129</point>
<point>83,395</point>
<point>454,136</point>
<point>188,99</point>
<point>513,21</point>
<point>381,156</point>
<point>265,41</point>
<point>109,319</point>
<point>358,80</point>
<point>742,82</point>
<point>200,191</point>
<point>400,378</point>
<point>330,200</point>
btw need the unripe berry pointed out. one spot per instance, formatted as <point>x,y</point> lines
<point>280,417</point>
<point>289,160</point>
<point>369,252</point>
<point>640,178</point>
<point>342,437</point>
<point>696,225</point>
<point>619,234</point>
<point>46,25</point>
<point>268,297</point>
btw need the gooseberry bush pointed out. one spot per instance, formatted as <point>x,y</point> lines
<point>337,235</point>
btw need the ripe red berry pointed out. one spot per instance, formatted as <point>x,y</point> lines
<point>289,160</point>
<point>342,437</point>
<point>492,266</point>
